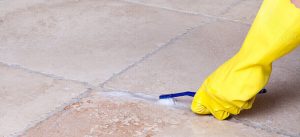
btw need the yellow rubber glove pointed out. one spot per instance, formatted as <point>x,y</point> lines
<point>234,85</point>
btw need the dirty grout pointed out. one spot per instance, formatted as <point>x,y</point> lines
<point>188,12</point>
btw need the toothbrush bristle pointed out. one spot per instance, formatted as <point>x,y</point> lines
<point>167,101</point>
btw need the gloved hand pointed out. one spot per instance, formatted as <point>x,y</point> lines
<point>233,86</point>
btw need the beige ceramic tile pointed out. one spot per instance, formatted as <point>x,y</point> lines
<point>27,98</point>
<point>184,65</point>
<point>87,40</point>
<point>10,6</point>
<point>206,7</point>
<point>119,115</point>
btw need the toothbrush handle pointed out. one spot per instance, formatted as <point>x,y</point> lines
<point>173,95</point>
<point>192,94</point>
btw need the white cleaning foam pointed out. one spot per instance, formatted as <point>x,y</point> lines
<point>167,101</point>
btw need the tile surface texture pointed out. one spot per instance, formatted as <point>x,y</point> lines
<point>119,115</point>
<point>27,98</point>
<point>79,40</point>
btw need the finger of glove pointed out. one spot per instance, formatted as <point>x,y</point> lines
<point>204,104</point>
<point>196,106</point>
<point>220,115</point>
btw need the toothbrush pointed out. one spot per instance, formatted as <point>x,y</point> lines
<point>192,94</point>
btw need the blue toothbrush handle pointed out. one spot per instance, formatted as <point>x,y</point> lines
<point>192,94</point>
<point>186,93</point>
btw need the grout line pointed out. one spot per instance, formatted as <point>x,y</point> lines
<point>19,67</point>
<point>140,95</point>
<point>164,8</point>
<point>56,110</point>
<point>226,10</point>
<point>187,12</point>
<point>89,88</point>
<point>148,55</point>
<point>262,127</point>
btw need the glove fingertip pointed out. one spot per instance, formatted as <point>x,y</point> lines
<point>199,109</point>
<point>221,115</point>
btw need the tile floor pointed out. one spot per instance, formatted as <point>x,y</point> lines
<point>89,68</point>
